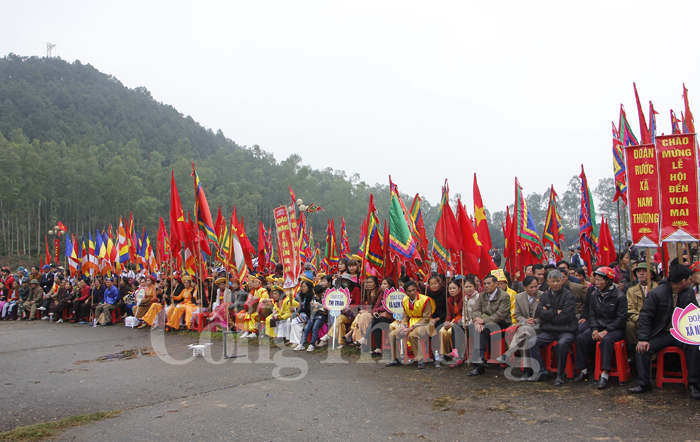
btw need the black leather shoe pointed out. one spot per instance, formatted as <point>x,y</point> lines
<point>478,370</point>
<point>421,365</point>
<point>603,383</point>
<point>581,377</point>
<point>527,374</point>
<point>560,381</point>
<point>539,377</point>
<point>640,389</point>
<point>694,392</point>
<point>393,363</point>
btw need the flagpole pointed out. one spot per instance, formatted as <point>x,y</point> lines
<point>619,238</point>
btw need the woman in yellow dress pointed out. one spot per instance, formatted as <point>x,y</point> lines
<point>149,296</point>
<point>247,319</point>
<point>188,306</point>
<point>281,311</point>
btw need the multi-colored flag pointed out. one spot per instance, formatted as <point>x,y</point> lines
<point>553,230</point>
<point>588,230</point>
<point>447,233</point>
<point>344,243</point>
<point>401,243</point>
<point>525,229</point>
<point>330,257</point>
<point>201,209</point>
<point>626,135</point>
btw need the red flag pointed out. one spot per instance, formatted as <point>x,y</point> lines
<point>605,254</point>
<point>470,248</point>
<point>47,260</point>
<point>201,210</point>
<point>486,263</point>
<point>61,226</point>
<point>262,262</point>
<point>292,195</point>
<point>447,232</point>
<point>131,235</point>
<point>646,137</point>
<point>390,269</point>
<point>344,243</point>
<point>482,227</point>
<point>688,119</point>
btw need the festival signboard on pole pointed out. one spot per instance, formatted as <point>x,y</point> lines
<point>56,246</point>
<point>643,194</point>
<point>393,302</point>
<point>286,246</point>
<point>678,184</point>
<point>335,301</point>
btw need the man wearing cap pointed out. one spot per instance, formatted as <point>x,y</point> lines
<point>36,295</point>
<point>635,299</point>
<point>655,323</point>
<point>47,278</point>
<point>607,315</point>
<point>557,313</point>
<point>110,302</point>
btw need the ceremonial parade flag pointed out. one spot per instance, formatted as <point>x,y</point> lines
<point>237,249</point>
<point>553,230</point>
<point>373,248</point>
<point>344,243</point>
<point>248,249</point>
<point>71,257</point>
<point>163,246</point>
<point>626,135</point>
<point>223,251</point>
<point>314,208</point>
<point>525,230</point>
<point>85,265</point>
<point>688,121</point>
<point>510,249</point>
<point>644,130</point>
<point>201,209</point>
<point>292,195</point>
<point>482,226</point>
<point>652,121</point>
<point>61,226</point>
<point>588,230</point>
<point>262,255</point>
<point>619,168</point>
<point>363,240</point>
<point>47,260</point>
<point>93,264</point>
<point>675,123</point>
<point>447,233</point>
<point>330,257</point>
<point>419,236</point>
<point>401,242</point>
<point>606,246</point>
<point>178,225</point>
<point>122,243</point>
<point>131,238</point>
<point>470,249</point>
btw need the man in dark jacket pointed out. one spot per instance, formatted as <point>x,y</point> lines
<point>491,313</point>
<point>654,327</point>
<point>557,313</point>
<point>607,316</point>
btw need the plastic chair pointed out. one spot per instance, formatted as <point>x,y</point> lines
<point>667,376</point>
<point>550,362</point>
<point>620,368</point>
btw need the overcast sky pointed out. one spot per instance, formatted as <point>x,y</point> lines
<point>420,90</point>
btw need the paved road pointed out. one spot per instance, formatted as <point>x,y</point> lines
<point>56,370</point>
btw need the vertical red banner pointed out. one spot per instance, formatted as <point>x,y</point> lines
<point>286,245</point>
<point>643,194</point>
<point>678,185</point>
<point>56,245</point>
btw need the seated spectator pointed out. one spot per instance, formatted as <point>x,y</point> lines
<point>110,302</point>
<point>34,300</point>
<point>275,324</point>
<point>470,296</point>
<point>557,313</point>
<point>79,309</point>
<point>654,325</point>
<point>317,317</point>
<point>606,318</point>
<point>491,313</point>
<point>188,306</point>
<point>526,304</point>
<point>635,299</point>
<point>62,301</point>
<point>358,328</point>
<point>418,310</point>
<point>381,318</point>
<point>9,310</point>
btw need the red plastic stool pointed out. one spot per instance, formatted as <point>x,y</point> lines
<point>620,368</point>
<point>550,362</point>
<point>115,316</point>
<point>198,320</point>
<point>671,377</point>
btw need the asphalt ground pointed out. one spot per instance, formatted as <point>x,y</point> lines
<point>49,371</point>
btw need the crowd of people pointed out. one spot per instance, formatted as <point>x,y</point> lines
<point>457,320</point>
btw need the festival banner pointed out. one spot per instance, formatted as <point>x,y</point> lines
<point>686,324</point>
<point>286,246</point>
<point>56,245</point>
<point>678,185</point>
<point>643,194</point>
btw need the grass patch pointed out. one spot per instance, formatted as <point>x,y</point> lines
<point>50,429</point>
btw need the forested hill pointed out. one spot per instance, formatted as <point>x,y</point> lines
<point>78,146</point>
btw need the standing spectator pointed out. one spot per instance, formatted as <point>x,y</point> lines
<point>496,255</point>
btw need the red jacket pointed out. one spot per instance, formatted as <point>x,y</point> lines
<point>84,294</point>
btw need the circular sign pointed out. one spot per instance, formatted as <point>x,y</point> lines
<point>686,324</point>
<point>393,301</point>
<point>336,299</point>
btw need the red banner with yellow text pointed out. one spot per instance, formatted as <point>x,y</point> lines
<point>643,194</point>
<point>286,246</point>
<point>678,184</point>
